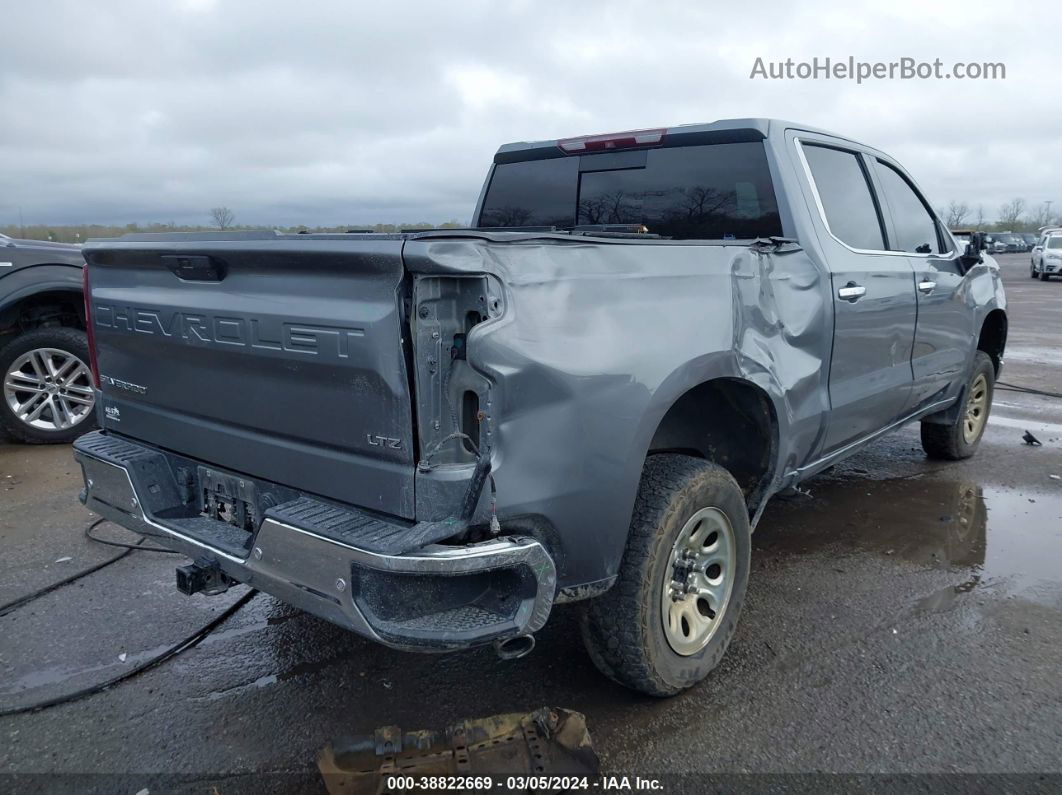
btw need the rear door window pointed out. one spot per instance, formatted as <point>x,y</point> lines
<point>847,202</point>
<point>916,230</point>
<point>711,192</point>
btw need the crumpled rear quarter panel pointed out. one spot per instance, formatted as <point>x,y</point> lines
<point>597,340</point>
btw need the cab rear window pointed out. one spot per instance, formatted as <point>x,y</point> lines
<point>713,192</point>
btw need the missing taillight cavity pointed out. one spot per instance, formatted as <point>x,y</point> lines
<point>93,366</point>
<point>632,139</point>
<point>470,418</point>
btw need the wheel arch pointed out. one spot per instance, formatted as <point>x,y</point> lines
<point>992,338</point>
<point>37,295</point>
<point>731,421</point>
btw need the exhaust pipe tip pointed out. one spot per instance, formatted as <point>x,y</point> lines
<point>515,647</point>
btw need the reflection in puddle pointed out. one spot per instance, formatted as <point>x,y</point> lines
<point>993,533</point>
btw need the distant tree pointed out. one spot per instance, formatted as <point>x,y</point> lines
<point>223,217</point>
<point>1041,216</point>
<point>1011,212</point>
<point>956,213</point>
<point>979,219</point>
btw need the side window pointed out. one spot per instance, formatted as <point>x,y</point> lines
<point>845,194</point>
<point>916,231</point>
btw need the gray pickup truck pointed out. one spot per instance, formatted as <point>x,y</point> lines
<point>433,438</point>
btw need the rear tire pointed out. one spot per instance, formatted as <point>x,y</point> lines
<point>961,438</point>
<point>630,631</point>
<point>28,382</point>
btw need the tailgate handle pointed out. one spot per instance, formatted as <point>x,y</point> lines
<point>194,267</point>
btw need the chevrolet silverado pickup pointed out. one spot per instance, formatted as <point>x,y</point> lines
<point>590,395</point>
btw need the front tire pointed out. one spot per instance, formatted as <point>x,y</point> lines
<point>47,395</point>
<point>961,438</point>
<point>669,618</point>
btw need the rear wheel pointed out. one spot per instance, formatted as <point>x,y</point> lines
<point>672,612</point>
<point>47,388</point>
<point>1032,270</point>
<point>960,439</point>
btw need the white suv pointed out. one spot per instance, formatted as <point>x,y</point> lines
<point>1047,257</point>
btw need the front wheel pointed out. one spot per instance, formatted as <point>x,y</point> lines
<point>960,439</point>
<point>47,389</point>
<point>1044,276</point>
<point>669,618</point>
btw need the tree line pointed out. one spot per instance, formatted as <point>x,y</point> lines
<point>222,218</point>
<point>1013,216</point>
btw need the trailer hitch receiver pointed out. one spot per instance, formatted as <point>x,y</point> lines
<point>202,576</point>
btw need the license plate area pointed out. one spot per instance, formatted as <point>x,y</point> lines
<point>228,498</point>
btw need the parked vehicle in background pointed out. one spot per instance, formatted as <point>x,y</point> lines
<point>1011,242</point>
<point>964,237</point>
<point>1030,240</point>
<point>47,386</point>
<point>996,244</point>
<point>431,438</point>
<point>1047,257</point>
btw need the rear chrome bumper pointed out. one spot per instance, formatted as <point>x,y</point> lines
<point>436,598</point>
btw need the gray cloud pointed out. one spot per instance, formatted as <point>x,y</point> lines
<point>351,112</point>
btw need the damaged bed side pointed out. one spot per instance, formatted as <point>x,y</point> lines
<point>593,354</point>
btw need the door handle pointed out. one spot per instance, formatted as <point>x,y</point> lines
<point>851,292</point>
<point>926,286</point>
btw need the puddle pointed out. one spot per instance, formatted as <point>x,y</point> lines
<point>994,533</point>
<point>299,669</point>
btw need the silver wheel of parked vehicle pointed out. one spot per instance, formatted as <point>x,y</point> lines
<point>699,582</point>
<point>976,410</point>
<point>49,389</point>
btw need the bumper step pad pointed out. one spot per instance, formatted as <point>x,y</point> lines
<point>359,529</point>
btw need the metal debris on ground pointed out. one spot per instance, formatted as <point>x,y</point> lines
<point>544,742</point>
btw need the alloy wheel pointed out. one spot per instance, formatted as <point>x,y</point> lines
<point>49,389</point>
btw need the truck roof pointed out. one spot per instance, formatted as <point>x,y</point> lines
<point>722,131</point>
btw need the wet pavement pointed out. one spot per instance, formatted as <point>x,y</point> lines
<point>905,616</point>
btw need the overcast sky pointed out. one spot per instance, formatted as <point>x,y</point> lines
<point>352,112</point>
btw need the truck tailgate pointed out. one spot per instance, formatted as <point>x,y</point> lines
<point>280,357</point>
